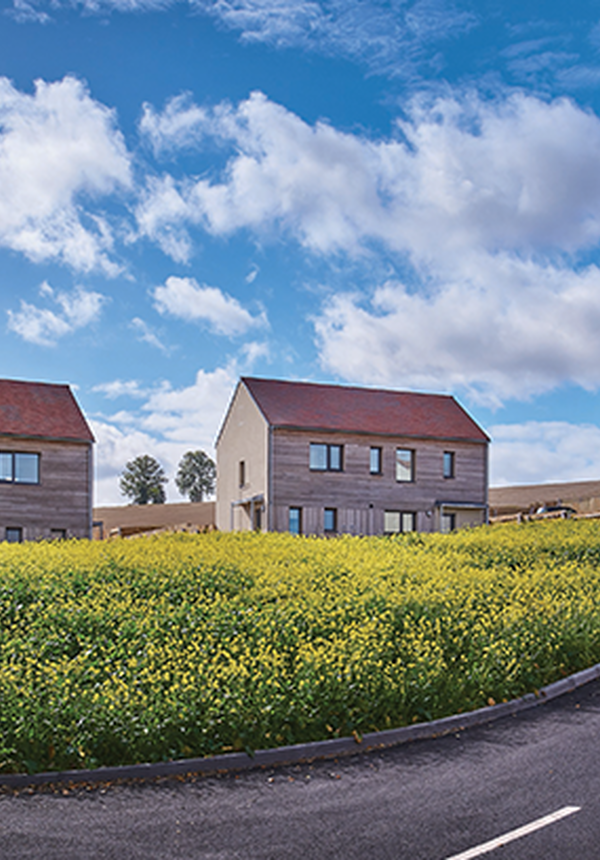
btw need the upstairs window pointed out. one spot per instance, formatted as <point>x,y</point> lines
<point>375,461</point>
<point>326,458</point>
<point>242,473</point>
<point>405,464</point>
<point>17,468</point>
<point>448,464</point>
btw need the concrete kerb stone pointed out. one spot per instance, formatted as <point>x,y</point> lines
<point>231,762</point>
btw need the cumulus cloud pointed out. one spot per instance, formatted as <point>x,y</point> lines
<point>536,452</point>
<point>45,326</point>
<point>517,174</point>
<point>186,299</point>
<point>120,388</point>
<point>507,329</point>
<point>168,423</point>
<point>178,126</point>
<point>57,147</point>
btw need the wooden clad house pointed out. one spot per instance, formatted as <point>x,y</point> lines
<point>330,459</point>
<point>45,463</point>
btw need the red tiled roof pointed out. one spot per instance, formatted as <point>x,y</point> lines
<point>362,410</point>
<point>41,410</point>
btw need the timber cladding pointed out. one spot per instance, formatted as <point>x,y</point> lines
<point>60,504</point>
<point>359,497</point>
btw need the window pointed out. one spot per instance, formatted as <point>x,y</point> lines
<point>14,535</point>
<point>295,521</point>
<point>448,464</point>
<point>325,458</point>
<point>448,522</point>
<point>58,534</point>
<point>330,520</point>
<point>18,468</point>
<point>375,461</point>
<point>242,471</point>
<point>395,522</point>
<point>405,464</point>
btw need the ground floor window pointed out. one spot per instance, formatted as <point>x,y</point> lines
<point>58,534</point>
<point>396,522</point>
<point>448,522</point>
<point>295,521</point>
<point>330,520</point>
<point>14,535</point>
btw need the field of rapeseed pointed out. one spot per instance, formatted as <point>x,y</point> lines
<point>183,645</point>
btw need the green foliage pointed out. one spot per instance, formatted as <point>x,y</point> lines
<point>143,481</point>
<point>183,645</point>
<point>196,476</point>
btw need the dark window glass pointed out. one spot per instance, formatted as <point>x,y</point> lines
<point>335,458</point>
<point>14,535</point>
<point>448,464</point>
<point>295,521</point>
<point>58,534</point>
<point>242,473</point>
<point>330,520</point>
<point>375,461</point>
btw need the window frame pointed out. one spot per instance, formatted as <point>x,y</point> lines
<point>334,521</point>
<point>412,468</point>
<point>298,510</point>
<point>18,530</point>
<point>449,465</point>
<point>401,522</point>
<point>14,470</point>
<point>448,523</point>
<point>242,473</point>
<point>328,459</point>
<point>376,450</point>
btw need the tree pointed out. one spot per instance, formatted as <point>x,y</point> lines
<point>196,475</point>
<point>143,481</point>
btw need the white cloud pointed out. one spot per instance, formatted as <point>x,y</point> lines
<point>519,174</point>
<point>392,38</point>
<point>57,147</point>
<point>178,126</point>
<point>146,334</point>
<point>186,299</point>
<point>44,326</point>
<point>544,452</point>
<point>170,422</point>
<point>506,329</point>
<point>120,388</point>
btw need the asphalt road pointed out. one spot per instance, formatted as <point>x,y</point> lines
<point>429,800</point>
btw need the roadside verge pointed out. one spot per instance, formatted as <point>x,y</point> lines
<point>309,751</point>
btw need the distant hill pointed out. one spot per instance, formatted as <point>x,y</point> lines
<point>133,519</point>
<point>584,496</point>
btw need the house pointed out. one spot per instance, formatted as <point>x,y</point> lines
<point>330,459</point>
<point>45,463</point>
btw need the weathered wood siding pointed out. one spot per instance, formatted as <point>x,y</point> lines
<point>360,497</point>
<point>61,500</point>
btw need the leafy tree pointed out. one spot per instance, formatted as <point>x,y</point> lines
<point>196,475</point>
<point>143,481</point>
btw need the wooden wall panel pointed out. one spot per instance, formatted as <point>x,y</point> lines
<point>360,497</point>
<point>61,500</point>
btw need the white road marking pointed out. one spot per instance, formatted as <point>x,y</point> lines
<point>485,847</point>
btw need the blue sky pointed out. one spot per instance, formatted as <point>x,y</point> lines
<point>403,194</point>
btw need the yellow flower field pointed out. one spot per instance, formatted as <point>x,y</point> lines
<point>186,645</point>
